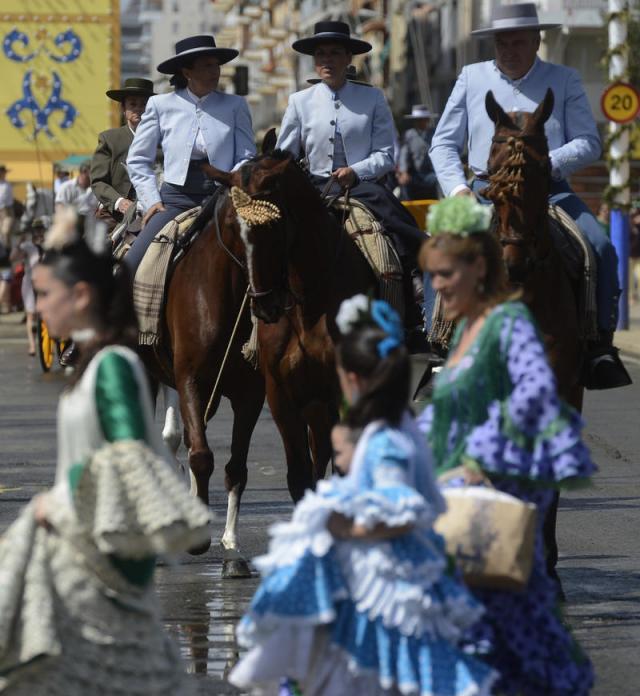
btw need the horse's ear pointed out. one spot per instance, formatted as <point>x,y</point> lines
<point>217,174</point>
<point>496,113</point>
<point>269,142</point>
<point>544,108</point>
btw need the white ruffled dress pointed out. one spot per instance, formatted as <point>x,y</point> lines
<point>360,617</point>
<point>78,612</point>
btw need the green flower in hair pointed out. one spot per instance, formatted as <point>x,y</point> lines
<point>461,215</point>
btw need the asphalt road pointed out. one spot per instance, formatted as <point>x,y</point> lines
<point>599,526</point>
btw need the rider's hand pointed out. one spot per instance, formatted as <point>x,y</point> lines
<point>466,192</point>
<point>124,205</point>
<point>403,178</point>
<point>155,208</point>
<point>345,176</point>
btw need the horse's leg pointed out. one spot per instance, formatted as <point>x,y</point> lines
<point>200,455</point>
<point>246,409</point>
<point>172,432</point>
<point>293,430</point>
<point>321,418</point>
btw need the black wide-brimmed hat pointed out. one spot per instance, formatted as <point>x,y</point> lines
<point>192,47</point>
<point>331,32</point>
<point>521,16</point>
<point>133,87</point>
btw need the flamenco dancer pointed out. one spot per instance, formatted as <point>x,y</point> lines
<point>495,411</point>
<point>357,596</point>
<point>78,612</point>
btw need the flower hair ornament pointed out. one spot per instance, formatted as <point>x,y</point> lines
<point>360,310</point>
<point>460,215</point>
<point>64,230</point>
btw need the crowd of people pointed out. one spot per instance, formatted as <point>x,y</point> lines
<point>360,594</point>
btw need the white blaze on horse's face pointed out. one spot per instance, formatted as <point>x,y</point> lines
<point>245,228</point>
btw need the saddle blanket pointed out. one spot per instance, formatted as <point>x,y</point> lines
<point>149,283</point>
<point>376,247</point>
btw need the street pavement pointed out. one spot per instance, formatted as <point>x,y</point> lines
<point>598,526</point>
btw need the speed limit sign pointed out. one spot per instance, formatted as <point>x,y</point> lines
<point>620,102</point>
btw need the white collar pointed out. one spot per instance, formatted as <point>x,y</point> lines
<point>520,79</point>
<point>195,99</point>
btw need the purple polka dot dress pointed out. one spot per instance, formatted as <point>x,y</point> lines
<point>499,407</point>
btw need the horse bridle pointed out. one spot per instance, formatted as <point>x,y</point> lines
<point>258,294</point>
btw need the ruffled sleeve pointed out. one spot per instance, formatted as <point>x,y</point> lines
<point>126,496</point>
<point>390,495</point>
<point>531,433</point>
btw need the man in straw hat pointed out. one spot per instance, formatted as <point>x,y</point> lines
<point>109,177</point>
<point>195,125</point>
<point>415,171</point>
<point>345,131</point>
<point>519,81</point>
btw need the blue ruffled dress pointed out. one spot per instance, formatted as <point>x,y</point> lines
<point>499,407</point>
<point>361,617</point>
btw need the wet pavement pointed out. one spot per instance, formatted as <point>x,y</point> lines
<point>600,559</point>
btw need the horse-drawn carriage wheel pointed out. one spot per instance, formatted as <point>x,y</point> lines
<point>45,345</point>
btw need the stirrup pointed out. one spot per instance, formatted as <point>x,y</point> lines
<point>606,371</point>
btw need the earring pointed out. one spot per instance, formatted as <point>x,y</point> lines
<point>480,287</point>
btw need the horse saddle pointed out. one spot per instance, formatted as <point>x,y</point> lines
<point>165,251</point>
<point>368,234</point>
<point>580,263</point>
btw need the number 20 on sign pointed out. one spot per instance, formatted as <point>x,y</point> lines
<point>620,102</point>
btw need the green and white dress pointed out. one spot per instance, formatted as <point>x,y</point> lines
<point>78,612</point>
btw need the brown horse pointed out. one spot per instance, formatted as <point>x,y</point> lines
<point>301,267</point>
<point>204,296</point>
<point>520,177</point>
<point>519,181</point>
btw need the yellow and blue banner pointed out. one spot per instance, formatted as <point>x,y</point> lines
<point>57,60</point>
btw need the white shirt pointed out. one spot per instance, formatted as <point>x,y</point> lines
<point>199,150</point>
<point>6,194</point>
<point>83,200</point>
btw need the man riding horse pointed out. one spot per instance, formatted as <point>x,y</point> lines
<point>195,125</point>
<point>109,177</point>
<point>345,132</point>
<point>519,81</point>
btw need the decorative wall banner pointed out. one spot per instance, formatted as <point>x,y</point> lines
<point>57,59</point>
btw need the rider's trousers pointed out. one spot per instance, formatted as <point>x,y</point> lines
<point>176,200</point>
<point>607,287</point>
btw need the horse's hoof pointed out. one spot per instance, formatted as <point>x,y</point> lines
<point>235,569</point>
<point>199,550</point>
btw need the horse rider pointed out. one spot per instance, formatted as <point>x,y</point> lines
<point>519,81</point>
<point>345,131</point>
<point>415,171</point>
<point>109,177</point>
<point>194,125</point>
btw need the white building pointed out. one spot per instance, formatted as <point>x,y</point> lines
<point>136,20</point>
<point>177,20</point>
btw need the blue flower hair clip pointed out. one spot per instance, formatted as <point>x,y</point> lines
<point>360,308</point>
<point>389,321</point>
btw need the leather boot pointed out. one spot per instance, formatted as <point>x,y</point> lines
<point>603,367</point>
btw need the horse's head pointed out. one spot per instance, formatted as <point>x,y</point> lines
<point>260,200</point>
<point>519,178</point>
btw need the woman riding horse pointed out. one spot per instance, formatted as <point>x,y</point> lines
<point>194,125</point>
<point>345,131</point>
